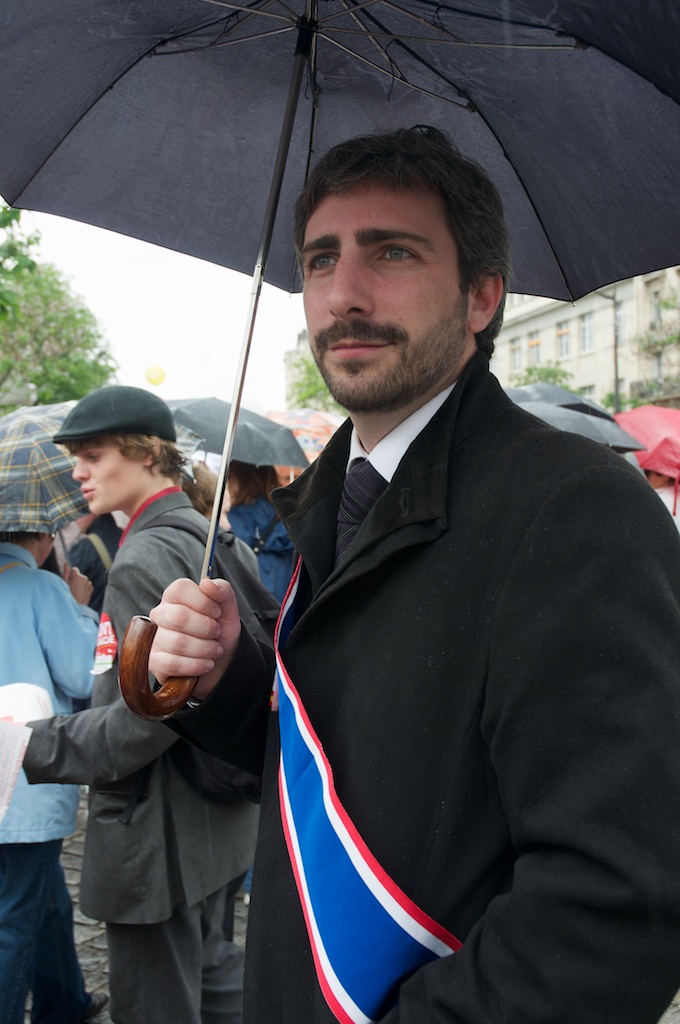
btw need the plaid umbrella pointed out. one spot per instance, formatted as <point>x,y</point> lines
<point>37,491</point>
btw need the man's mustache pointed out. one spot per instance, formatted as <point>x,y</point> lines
<point>359,330</point>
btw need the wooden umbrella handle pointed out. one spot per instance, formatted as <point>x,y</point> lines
<point>133,673</point>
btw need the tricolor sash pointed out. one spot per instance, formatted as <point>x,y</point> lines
<point>366,935</point>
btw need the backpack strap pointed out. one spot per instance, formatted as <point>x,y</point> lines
<point>101,549</point>
<point>263,538</point>
<point>258,607</point>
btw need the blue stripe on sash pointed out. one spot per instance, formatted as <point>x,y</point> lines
<point>366,935</point>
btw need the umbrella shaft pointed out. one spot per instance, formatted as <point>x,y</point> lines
<point>302,51</point>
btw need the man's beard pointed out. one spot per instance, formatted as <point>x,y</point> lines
<point>422,364</point>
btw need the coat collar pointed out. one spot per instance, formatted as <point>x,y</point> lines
<point>413,507</point>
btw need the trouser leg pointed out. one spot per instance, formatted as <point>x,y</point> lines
<point>58,986</point>
<point>222,997</point>
<point>182,969</point>
<point>27,877</point>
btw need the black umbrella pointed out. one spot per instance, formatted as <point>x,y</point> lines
<point>556,395</point>
<point>597,428</point>
<point>160,118</point>
<point>258,440</point>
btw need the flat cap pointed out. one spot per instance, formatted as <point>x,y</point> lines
<point>118,410</point>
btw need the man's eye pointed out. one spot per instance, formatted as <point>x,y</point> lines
<point>397,252</point>
<point>321,262</point>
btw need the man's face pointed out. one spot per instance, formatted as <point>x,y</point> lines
<point>110,482</point>
<point>388,324</point>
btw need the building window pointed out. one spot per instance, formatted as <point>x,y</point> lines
<point>588,391</point>
<point>534,349</point>
<point>515,355</point>
<point>563,340</point>
<point>588,332</point>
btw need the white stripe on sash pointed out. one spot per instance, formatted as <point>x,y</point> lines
<point>366,935</point>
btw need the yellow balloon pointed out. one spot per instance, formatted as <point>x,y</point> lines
<point>155,375</point>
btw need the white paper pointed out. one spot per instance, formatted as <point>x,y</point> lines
<point>13,742</point>
<point>24,702</point>
<point>19,703</point>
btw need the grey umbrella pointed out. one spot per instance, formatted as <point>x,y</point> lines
<point>258,440</point>
<point>595,427</point>
<point>556,395</point>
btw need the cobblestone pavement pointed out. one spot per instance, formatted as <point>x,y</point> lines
<point>91,938</point>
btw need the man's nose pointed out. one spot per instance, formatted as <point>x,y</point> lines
<point>350,293</point>
<point>79,472</point>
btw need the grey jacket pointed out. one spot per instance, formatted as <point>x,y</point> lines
<point>175,846</point>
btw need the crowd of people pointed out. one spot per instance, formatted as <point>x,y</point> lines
<point>465,741</point>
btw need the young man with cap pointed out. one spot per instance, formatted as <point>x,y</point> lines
<point>158,856</point>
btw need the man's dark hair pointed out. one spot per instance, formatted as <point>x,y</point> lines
<point>421,159</point>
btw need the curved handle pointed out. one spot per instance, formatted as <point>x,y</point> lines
<point>133,672</point>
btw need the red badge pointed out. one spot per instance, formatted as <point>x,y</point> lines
<point>107,647</point>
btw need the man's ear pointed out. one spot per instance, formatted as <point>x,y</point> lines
<point>483,301</point>
<point>152,458</point>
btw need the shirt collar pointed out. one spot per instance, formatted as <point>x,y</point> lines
<point>389,452</point>
<point>144,506</point>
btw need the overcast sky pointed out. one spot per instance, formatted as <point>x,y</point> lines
<point>161,308</point>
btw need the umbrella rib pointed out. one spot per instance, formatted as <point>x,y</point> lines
<point>264,34</point>
<point>568,42</point>
<point>353,10</point>
<point>257,9</point>
<point>472,107</point>
<point>152,51</point>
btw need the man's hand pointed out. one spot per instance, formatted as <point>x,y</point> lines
<point>79,584</point>
<point>198,632</point>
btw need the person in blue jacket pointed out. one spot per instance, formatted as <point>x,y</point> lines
<point>254,519</point>
<point>47,637</point>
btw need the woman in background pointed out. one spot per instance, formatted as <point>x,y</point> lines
<point>253,518</point>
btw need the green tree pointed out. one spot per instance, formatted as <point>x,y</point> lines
<point>664,333</point>
<point>550,373</point>
<point>308,389</point>
<point>50,339</point>
<point>15,258</point>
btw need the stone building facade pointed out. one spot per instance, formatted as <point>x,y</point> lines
<point>595,339</point>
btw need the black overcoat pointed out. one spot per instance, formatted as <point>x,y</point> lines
<point>494,677</point>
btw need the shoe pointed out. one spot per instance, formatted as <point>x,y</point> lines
<point>99,1001</point>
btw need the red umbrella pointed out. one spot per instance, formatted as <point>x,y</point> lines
<point>650,423</point>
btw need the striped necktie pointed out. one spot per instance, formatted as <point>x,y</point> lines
<point>362,488</point>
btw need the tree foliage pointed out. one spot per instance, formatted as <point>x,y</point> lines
<point>550,373</point>
<point>15,258</point>
<point>308,390</point>
<point>665,332</point>
<point>48,337</point>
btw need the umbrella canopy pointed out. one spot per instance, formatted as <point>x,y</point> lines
<point>159,119</point>
<point>556,395</point>
<point>663,458</point>
<point>651,424</point>
<point>37,492</point>
<point>312,429</point>
<point>257,440</point>
<point>595,427</point>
